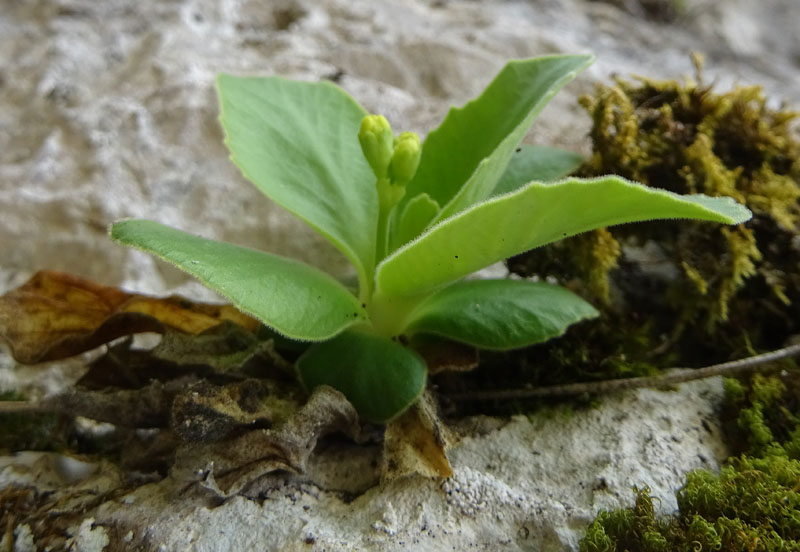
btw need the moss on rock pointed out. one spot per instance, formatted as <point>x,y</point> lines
<point>752,504</point>
<point>762,415</point>
<point>739,285</point>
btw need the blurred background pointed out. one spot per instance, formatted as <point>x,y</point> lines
<point>108,109</point>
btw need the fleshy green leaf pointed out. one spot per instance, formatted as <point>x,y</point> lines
<point>418,213</point>
<point>536,163</point>
<point>463,159</point>
<point>379,376</point>
<point>500,314</point>
<point>535,215</point>
<point>297,300</point>
<point>298,143</point>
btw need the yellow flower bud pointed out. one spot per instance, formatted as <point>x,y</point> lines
<point>405,160</point>
<point>377,143</point>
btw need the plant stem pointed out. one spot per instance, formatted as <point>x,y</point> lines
<point>389,315</point>
<point>382,235</point>
<point>676,375</point>
<point>388,196</point>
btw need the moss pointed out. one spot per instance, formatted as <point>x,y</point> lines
<point>757,496</point>
<point>752,504</point>
<point>601,349</point>
<point>762,415</point>
<point>738,284</point>
<point>635,528</point>
<point>585,260</point>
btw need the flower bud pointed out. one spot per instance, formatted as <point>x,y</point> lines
<point>377,143</point>
<point>405,159</point>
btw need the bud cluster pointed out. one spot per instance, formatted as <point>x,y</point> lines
<point>395,158</point>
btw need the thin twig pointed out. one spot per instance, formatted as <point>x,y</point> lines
<point>676,375</point>
<point>24,407</point>
<point>145,407</point>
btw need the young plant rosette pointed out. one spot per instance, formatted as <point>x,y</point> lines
<point>413,219</point>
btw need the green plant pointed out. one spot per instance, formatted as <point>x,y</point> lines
<point>414,224</point>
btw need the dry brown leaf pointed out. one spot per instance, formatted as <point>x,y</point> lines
<point>225,352</point>
<point>56,315</point>
<point>235,464</point>
<point>416,443</point>
<point>443,355</point>
<point>123,367</point>
<point>205,413</point>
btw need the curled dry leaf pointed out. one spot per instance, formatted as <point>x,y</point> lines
<point>56,315</point>
<point>235,464</point>
<point>205,413</point>
<point>224,352</point>
<point>225,349</point>
<point>416,443</point>
<point>124,367</point>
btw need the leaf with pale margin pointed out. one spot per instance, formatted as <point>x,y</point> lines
<point>463,159</point>
<point>416,216</point>
<point>535,215</point>
<point>536,163</point>
<point>380,377</point>
<point>295,299</point>
<point>499,314</point>
<point>298,143</point>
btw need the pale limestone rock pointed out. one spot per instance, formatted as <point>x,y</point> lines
<point>108,110</point>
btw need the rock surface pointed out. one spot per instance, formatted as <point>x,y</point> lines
<point>108,110</point>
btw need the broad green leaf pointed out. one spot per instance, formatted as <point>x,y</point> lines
<point>535,215</point>
<point>379,376</point>
<point>298,143</point>
<point>500,314</point>
<point>295,299</point>
<point>416,216</point>
<point>536,163</point>
<point>528,163</point>
<point>463,158</point>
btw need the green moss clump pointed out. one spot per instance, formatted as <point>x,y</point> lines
<point>585,259</point>
<point>762,415</point>
<point>759,496</point>
<point>752,505</point>
<point>633,528</point>
<point>740,284</point>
